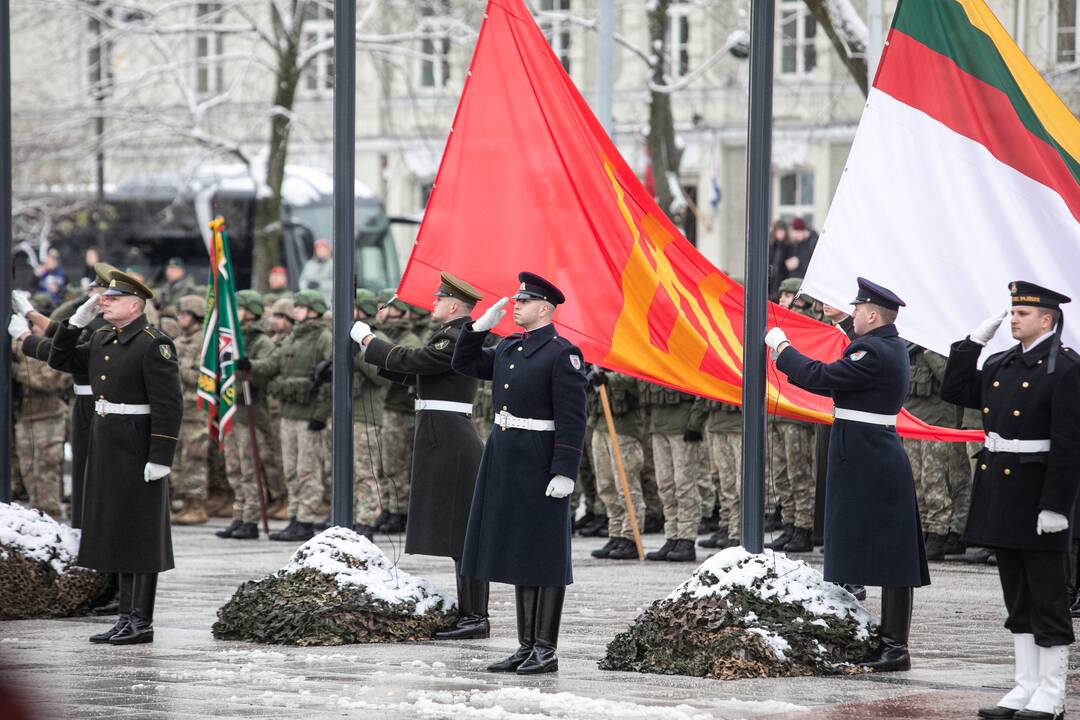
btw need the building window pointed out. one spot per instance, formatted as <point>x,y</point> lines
<point>425,193</point>
<point>1066,31</point>
<point>798,29</point>
<point>678,40</point>
<point>796,196</point>
<point>557,30</point>
<point>209,47</point>
<point>435,51</point>
<point>319,28</point>
<point>99,57</point>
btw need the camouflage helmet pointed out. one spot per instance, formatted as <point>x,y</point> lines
<point>312,300</point>
<point>419,310</point>
<point>282,306</point>
<point>387,297</point>
<point>194,304</point>
<point>251,301</point>
<point>367,301</point>
<point>791,285</point>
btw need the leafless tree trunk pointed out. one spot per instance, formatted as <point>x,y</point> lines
<point>847,34</point>
<point>664,153</point>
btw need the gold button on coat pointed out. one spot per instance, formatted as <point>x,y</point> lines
<point>1025,384</point>
<point>996,383</point>
<point>1008,471</point>
<point>983,466</point>
<point>986,411</point>
<point>506,387</point>
<point>102,377</point>
<point>1016,413</point>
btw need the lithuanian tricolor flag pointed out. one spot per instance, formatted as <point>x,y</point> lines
<point>964,175</point>
<point>529,180</point>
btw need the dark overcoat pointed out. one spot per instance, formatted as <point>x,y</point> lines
<point>446,450</point>
<point>872,531</point>
<point>1020,401</point>
<point>125,520</point>
<point>517,534</point>
<point>82,410</point>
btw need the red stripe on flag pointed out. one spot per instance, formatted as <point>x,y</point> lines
<point>974,109</point>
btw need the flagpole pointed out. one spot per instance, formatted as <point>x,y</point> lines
<point>759,177</point>
<point>341,504</point>
<point>256,458</point>
<point>5,245</point>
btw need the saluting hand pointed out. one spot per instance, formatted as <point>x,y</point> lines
<point>491,316</point>
<point>559,487</point>
<point>987,328</point>
<point>20,300</point>
<point>154,471</point>
<point>85,313</point>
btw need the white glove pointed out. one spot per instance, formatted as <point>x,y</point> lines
<point>559,487</point>
<point>987,328</point>
<point>491,316</point>
<point>153,471</point>
<point>18,327</point>
<point>85,313</point>
<point>1050,522</point>
<point>20,300</point>
<point>360,330</point>
<point>775,338</point>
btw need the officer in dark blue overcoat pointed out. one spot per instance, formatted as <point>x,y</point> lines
<point>519,524</point>
<point>1025,484</point>
<point>872,530</point>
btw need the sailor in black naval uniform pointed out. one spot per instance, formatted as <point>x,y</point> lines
<point>446,449</point>
<point>1025,484</point>
<point>138,405</point>
<point>872,530</point>
<point>519,525</point>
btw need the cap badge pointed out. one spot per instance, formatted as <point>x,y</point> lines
<point>1012,287</point>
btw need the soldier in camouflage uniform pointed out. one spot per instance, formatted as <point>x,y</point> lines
<point>626,414</point>
<point>594,523</point>
<point>940,469</point>
<point>239,454</point>
<point>677,425</point>
<point>369,398</point>
<point>288,374</point>
<point>190,470</point>
<point>723,431</point>
<point>278,327</point>
<point>399,420</point>
<point>177,284</point>
<point>654,506</point>
<point>40,422</point>
<point>791,453</point>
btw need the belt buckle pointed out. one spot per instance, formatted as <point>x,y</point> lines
<point>99,408</point>
<point>501,419</point>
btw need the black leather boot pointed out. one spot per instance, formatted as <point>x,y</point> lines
<point>954,544</point>
<point>625,550</point>
<point>300,532</point>
<point>124,607</point>
<point>783,539</point>
<point>802,540</point>
<point>246,531</point>
<point>935,546</point>
<point>714,540</point>
<point>112,605</point>
<point>602,552</point>
<point>548,616</point>
<point>276,535</point>
<point>526,599</point>
<point>472,622</point>
<point>892,654</point>
<point>227,532</point>
<point>140,627</point>
<point>662,552</point>
<point>682,552</point>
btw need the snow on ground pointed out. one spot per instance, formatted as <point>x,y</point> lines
<point>794,582</point>
<point>38,536</point>
<point>354,560</point>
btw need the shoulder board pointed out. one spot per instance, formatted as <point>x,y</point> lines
<point>103,328</point>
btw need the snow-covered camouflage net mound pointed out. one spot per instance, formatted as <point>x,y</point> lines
<point>338,589</point>
<point>741,615</point>
<point>38,575</point>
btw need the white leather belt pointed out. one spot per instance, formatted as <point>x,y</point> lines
<point>507,421</point>
<point>996,443</point>
<point>444,405</point>
<point>104,407</point>
<point>83,390</point>
<point>863,417</point>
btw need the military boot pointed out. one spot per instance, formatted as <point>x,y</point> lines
<point>662,552</point>
<point>192,513</point>
<point>395,524</point>
<point>935,546</point>
<point>140,627</point>
<point>227,532</point>
<point>603,552</point>
<point>784,538</point>
<point>548,617</point>
<point>276,535</point>
<point>246,531</point>
<point>801,541</point>
<point>584,520</point>
<point>597,528</point>
<point>954,544</point>
<point>124,606</point>
<point>625,550</point>
<point>381,520</point>
<point>300,532</point>
<point>713,540</point>
<point>682,552</point>
<point>525,605</point>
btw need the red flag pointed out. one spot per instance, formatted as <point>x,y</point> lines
<point>529,180</point>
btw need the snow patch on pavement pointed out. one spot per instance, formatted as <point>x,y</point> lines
<point>38,537</point>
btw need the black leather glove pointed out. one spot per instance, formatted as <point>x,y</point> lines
<point>597,376</point>
<point>323,371</point>
<point>692,436</point>
<point>243,364</point>
<point>316,425</point>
